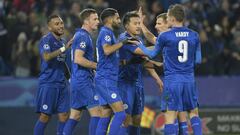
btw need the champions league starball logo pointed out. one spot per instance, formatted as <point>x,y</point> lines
<point>83,45</point>
<point>107,38</point>
<point>46,47</point>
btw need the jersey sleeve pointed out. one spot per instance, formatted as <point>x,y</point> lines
<point>107,38</point>
<point>157,48</point>
<point>198,55</point>
<point>44,46</point>
<point>81,42</point>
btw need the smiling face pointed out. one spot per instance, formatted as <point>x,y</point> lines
<point>133,26</point>
<point>56,26</point>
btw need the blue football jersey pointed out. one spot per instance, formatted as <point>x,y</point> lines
<point>181,50</point>
<point>52,72</point>
<point>129,72</point>
<point>107,66</point>
<point>82,41</point>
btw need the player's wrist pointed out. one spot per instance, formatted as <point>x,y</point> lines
<point>63,49</point>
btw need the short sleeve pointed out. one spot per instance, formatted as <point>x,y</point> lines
<point>44,46</point>
<point>107,38</point>
<point>81,42</point>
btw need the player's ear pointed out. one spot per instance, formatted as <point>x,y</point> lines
<point>111,19</point>
<point>126,26</point>
<point>87,20</point>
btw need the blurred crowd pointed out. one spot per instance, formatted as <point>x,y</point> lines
<point>23,22</point>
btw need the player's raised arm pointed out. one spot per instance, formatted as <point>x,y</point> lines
<point>146,32</point>
<point>50,55</point>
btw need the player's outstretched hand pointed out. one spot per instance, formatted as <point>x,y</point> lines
<point>69,43</point>
<point>140,13</point>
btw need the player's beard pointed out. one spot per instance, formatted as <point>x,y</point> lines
<point>115,26</point>
<point>58,33</point>
<point>94,28</point>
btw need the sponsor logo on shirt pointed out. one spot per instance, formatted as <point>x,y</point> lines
<point>61,57</point>
<point>107,38</point>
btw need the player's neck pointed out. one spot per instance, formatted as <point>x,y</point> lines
<point>109,25</point>
<point>132,35</point>
<point>178,24</point>
<point>87,28</point>
<point>56,36</point>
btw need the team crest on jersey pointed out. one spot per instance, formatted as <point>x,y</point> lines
<point>107,38</point>
<point>46,47</point>
<point>114,95</point>
<point>125,106</point>
<point>45,107</point>
<point>83,45</point>
<point>95,97</point>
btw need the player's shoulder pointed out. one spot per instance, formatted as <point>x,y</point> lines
<point>166,33</point>
<point>123,36</point>
<point>46,38</point>
<point>193,31</point>
<point>105,30</point>
<point>183,30</point>
<point>81,33</point>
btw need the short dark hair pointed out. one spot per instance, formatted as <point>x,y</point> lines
<point>108,12</point>
<point>163,16</point>
<point>52,17</point>
<point>177,11</point>
<point>85,14</point>
<point>128,16</point>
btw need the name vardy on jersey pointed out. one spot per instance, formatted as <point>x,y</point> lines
<point>181,34</point>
